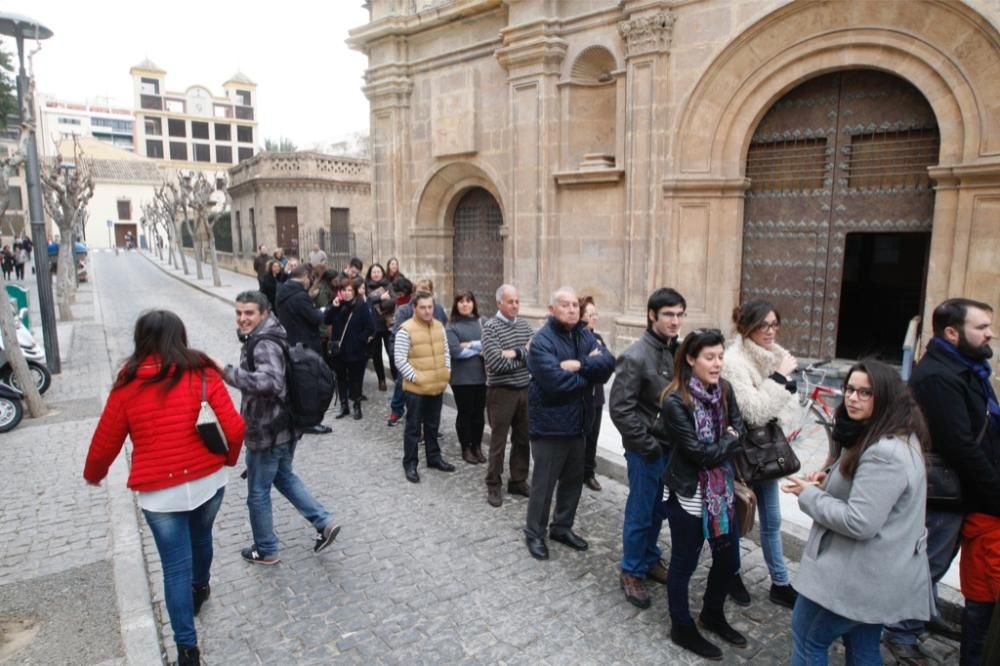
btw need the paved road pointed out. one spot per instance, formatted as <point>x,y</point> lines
<point>424,573</point>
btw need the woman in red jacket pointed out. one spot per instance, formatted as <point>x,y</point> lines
<point>155,401</point>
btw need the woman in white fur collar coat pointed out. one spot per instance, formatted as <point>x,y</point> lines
<point>759,370</point>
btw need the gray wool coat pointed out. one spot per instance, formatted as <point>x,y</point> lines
<point>866,556</point>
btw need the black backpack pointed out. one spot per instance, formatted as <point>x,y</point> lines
<point>308,379</point>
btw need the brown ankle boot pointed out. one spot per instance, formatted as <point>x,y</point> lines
<point>469,457</point>
<point>478,451</point>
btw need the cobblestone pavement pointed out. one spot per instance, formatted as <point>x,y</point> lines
<point>425,573</point>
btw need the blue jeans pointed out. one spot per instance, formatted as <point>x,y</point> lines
<point>398,403</point>
<point>686,541</point>
<point>643,514</point>
<point>184,542</point>
<point>273,467</point>
<point>769,512</point>
<point>976,618</point>
<point>814,629</point>
<point>944,533</point>
<point>423,417</point>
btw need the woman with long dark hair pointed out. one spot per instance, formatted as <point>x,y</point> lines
<point>352,326</point>
<point>865,562</point>
<point>468,375</point>
<point>392,272</point>
<point>760,371</point>
<point>155,401</point>
<point>703,423</point>
<point>273,276</point>
<point>383,304</point>
<point>590,316</point>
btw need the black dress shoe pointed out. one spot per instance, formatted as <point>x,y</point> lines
<point>592,483</point>
<point>344,411</point>
<point>317,430</point>
<point>537,547</point>
<point>570,539</point>
<point>411,475</point>
<point>440,464</point>
<point>688,637</point>
<point>519,488</point>
<point>783,595</point>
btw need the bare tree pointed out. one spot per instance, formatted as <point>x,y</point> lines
<point>198,195</point>
<point>67,190</point>
<point>8,324</point>
<point>184,196</point>
<point>170,206</point>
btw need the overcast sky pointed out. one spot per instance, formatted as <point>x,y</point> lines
<point>308,81</point>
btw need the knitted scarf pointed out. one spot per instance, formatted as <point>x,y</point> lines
<point>981,369</point>
<point>716,484</point>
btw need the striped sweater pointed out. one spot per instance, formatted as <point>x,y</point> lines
<point>498,335</point>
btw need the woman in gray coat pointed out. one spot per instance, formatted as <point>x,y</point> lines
<point>468,375</point>
<point>865,562</point>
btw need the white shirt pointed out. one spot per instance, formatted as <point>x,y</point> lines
<point>184,497</point>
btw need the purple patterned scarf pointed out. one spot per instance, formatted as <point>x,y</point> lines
<point>716,484</point>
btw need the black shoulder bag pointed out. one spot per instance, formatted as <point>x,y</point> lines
<point>765,454</point>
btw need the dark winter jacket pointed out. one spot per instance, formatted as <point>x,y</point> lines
<point>264,390</point>
<point>560,402</point>
<point>688,455</point>
<point>599,388</point>
<point>357,317</point>
<point>952,399</point>
<point>269,286</point>
<point>260,265</point>
<point>383,309</point>
<point>299,316</point>
<point>641,373</point>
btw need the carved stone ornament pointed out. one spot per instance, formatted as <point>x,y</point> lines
<point>647,34</point>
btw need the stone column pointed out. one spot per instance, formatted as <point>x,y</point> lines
<point>647,34</point>
<point>532,55</point>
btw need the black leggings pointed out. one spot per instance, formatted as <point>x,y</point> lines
<point>375,353</point>
<point>350,377</point>
<point>470,421</point>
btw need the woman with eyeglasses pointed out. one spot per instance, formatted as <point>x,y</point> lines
<point>702,420</point>
<point>760,371</point>
<point>865,562</point>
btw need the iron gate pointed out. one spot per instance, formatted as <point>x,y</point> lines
<point>478,248</point>
<point>842,153</point>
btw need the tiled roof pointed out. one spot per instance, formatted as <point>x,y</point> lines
<point>128,171</point>
<point>149,65</point>
<point>240,77</point>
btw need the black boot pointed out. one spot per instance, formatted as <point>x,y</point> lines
<point>715,621</point>
<point>201,595</point>
<point>687,636</point>
<point>344,410</point>
<point>357,410</point>
<point>188,656</point>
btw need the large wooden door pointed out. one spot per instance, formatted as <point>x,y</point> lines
<point>287,221</point>
<point>842,153</point>
<point>478,248</point>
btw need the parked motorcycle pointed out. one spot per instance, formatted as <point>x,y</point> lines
<point>11,408</point>
<point>33,354</point>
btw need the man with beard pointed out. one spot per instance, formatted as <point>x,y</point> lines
<point>952,385</point>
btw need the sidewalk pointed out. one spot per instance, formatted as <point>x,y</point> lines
<point>58,534</point>
<point>811,445</point>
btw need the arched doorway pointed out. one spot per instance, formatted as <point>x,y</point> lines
<point>838,216</point>
<point>478,247</point>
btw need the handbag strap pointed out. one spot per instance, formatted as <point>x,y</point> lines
<point>341,342</point>
<point>204,388</point>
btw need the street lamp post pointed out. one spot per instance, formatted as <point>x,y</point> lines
<point>19,27</point>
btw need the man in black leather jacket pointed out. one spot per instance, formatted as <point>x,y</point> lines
<point>642,372</point>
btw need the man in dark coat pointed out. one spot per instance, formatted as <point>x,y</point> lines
<point>642,372</point>
<point>300,318</point>
<point>952,385</point>
<point>565,362</point>
<point>260,262</point>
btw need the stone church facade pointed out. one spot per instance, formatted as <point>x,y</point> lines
<point>840,158</point>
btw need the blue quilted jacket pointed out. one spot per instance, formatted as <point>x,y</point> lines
<point>560,402</point>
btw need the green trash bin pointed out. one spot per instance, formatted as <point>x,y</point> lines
<point>19,295</point>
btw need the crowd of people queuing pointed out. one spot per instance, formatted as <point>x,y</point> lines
<point>682,401</point>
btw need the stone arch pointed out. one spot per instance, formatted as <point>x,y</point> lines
<point>440,192</point>
<point>945,49</point>
<point>594,65</point>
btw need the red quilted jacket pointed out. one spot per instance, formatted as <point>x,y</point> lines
<point>167,449</point>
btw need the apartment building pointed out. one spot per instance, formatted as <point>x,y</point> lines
<point>193,129</point>
<point>60,119</point>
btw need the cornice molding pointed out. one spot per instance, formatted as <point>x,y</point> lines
<point>705,186</point>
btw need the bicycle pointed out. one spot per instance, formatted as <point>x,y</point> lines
<point>819,403</point>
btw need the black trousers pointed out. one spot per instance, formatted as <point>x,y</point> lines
<point>557,461</point>
<point>350,377</point>
<point>590,453</point>
<point>380,339</point>
<point>470,421</point>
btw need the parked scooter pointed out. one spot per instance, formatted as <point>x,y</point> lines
<point>11,408</point>
<point>33,354</point>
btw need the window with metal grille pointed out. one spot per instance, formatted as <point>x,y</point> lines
<point>790,164</point>
<point>14,198</point>
<point>124,209</point>
<point>892,159</point>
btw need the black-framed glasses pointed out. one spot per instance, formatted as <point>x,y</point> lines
<point>767,327</point>
<point>863,394</point>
